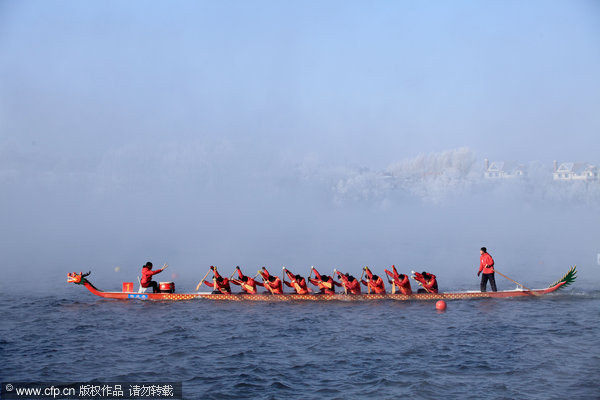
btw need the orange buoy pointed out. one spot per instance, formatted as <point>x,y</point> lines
<point>440,305</point>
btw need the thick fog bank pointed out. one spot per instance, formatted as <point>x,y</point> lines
<point>228,213</point>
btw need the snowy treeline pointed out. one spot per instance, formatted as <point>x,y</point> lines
<point>218,167</point>
<point>437,177</point>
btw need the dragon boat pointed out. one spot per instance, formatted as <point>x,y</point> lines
<point>129,294</point>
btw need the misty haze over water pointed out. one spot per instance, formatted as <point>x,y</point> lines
<point>193,212</point>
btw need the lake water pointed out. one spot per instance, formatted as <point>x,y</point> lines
<point>533,348</point>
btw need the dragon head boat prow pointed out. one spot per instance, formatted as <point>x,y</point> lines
<point>77,278</point>
<point>567,279</point>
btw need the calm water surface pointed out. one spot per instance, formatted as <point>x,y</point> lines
<point>497,349</point>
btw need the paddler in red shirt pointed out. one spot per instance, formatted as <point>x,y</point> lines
<point>399,280</point>
<point>374,282</point>
<point>349,283</point>
<point>247,283</point>
<point>325,283</point>
<point>296,281</point>
<point>486,265</point>
<point>147,274</point>
<point>428,282</point>
<point>272,283</point>
<point>219,284</point>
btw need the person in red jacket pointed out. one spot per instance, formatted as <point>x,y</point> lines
<point>374,282</point>
<point>147,274</point>
<point>219,284</point>
<point>247,283</point>
<point>428,282</point>
<point>296,281</point>
<point>271,282</point>
<point>349,283</point>
<point>486,265</point>
<point>325,283</point>
<point>399,280</point>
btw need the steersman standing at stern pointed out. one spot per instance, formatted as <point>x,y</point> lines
<point>486,265</point>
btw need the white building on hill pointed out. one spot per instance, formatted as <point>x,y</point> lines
<point>570,171</point>
<point>503,170</point>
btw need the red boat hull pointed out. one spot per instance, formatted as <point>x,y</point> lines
<point>321,297</point>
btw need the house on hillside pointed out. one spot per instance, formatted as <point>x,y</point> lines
<point>504,170</point>
<point>571,171</point>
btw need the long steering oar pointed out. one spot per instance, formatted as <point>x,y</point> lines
<point>200,283</point>
<point>512,280</point>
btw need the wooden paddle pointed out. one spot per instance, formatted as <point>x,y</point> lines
<point>394,281</point>
<point>312,268</point>
<point>327,284</point>
<point>265,281</point>
<point>294,282</point>
<point>420,284</point>
<point>215,286</point>
<point>266,284</point>
<point>202,280</point>
<point>368,280</point>
<point>335,271</point>
<point>333,278</point>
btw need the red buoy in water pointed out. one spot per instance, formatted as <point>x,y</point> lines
<point>440,305</point>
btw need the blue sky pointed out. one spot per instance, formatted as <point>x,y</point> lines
<point>354,82</point>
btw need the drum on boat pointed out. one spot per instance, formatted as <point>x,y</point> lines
<point>167,287</point>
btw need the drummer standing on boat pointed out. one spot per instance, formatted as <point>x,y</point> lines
<point>486,265</point>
